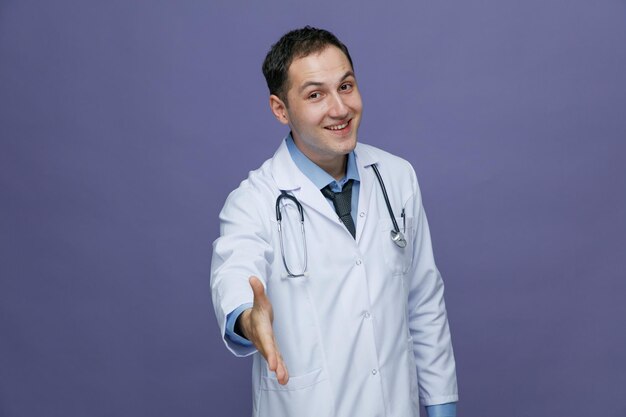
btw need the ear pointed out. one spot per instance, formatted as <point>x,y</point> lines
<point>279,109</point>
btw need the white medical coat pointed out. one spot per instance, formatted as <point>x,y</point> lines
<point>366,332</point>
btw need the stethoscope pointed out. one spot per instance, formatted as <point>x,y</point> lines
<point>397,236</point>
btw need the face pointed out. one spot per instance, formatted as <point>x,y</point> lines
<point>324,107</point>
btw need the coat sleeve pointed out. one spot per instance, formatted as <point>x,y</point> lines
<point>242,250</point>
<point>428,322</point>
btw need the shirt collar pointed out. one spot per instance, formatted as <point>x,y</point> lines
<point>317,175</point>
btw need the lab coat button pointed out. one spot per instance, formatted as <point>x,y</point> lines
<point>362,214</point>
<point>367,314</point>
<point>374,371</point>
<point>358,262</point>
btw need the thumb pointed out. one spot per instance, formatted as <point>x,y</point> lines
<point>257,288</point>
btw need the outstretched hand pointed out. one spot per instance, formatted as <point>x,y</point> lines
<point>256,325</point>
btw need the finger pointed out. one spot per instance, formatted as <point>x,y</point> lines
<point>281,368</point>
<point>282,374</point>
<point>268,350</point>
<point>266,342</point>
<point>272,362</point>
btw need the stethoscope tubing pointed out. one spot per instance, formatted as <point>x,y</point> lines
<point>396,236</point>
<point>386,196</point>
<point>279,218</point>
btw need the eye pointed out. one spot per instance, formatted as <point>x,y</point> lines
<point>345,87</point>
<point>314,96</point>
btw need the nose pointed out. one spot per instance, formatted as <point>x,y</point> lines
<point>338,108</point>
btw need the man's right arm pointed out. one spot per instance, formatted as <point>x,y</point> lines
<point>241,251</point>
<point>240,256</point>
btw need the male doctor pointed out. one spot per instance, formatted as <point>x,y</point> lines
<point>344,313</point>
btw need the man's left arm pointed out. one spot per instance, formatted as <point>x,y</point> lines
<point>428,322</point>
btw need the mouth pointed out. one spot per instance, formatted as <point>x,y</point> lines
<point>339,128</point>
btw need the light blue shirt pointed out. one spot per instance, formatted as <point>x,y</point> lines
<point>321,179</point>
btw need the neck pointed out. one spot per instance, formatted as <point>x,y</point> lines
<point>336,169</point>
<point>334,165</point>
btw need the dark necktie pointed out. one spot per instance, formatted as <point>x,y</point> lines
<point>343,204</point>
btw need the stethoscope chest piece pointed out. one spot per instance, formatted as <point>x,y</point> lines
<point>398,238</point>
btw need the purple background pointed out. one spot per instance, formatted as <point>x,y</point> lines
<point>124,125</point>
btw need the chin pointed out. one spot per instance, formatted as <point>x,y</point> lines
<point>348,147</point>
<point>351,143</point>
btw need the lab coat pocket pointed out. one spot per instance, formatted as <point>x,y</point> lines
<point>270,383</point>
<point>397,259</point>
<point>303,396</point>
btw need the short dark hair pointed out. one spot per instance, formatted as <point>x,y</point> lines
<point>295,44</point>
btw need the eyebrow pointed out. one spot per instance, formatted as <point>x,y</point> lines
<point>319,84</point>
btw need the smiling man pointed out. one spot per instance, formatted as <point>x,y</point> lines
<point>324,268</point>
<point>322,107</point>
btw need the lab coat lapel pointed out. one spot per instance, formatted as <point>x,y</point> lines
<point>289,178</point>
<point>364,160</point>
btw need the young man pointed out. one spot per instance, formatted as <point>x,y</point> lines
<point>343,312</point>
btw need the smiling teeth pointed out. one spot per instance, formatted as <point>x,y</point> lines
<point>338,127</point>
